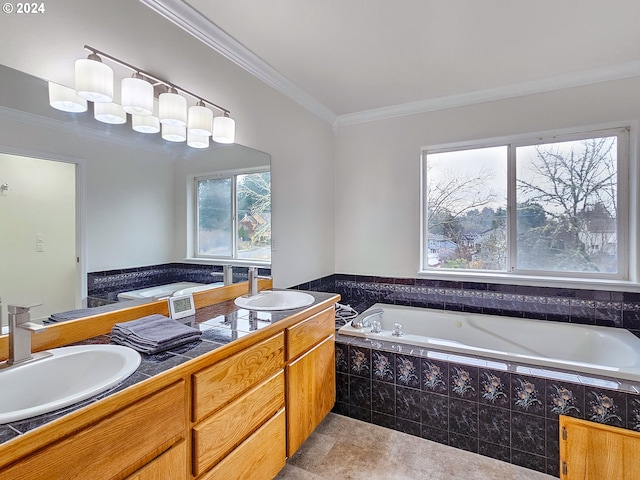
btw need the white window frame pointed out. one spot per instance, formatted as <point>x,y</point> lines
<point>233,258</point>
<point>627,221</point>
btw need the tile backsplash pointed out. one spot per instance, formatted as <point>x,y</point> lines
<point>592,307</point>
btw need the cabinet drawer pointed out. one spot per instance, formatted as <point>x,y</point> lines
<point>306,334</point>
<point>111,445</point>
<point>171,464</point>
<point>259,457</point>
<point>222,432</point>
<point>220,383</point>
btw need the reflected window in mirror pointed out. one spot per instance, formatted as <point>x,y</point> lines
<point>233,216</point>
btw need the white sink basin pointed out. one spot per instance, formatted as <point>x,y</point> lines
<point>275,300</point>
<point>69,375</point>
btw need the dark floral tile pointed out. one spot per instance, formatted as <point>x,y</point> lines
<point>527,394</point>
<point>342,387</point>
<point>552,434</point>
<point>633,412</point>
<point>463,442</point>
<point>606,406</point>
<point>495,387</point>
<point>7,433</point>
<point>408,371</point>
<point>360,392</point>
<point>553,467</point>
<point>383,397</point>
<point>341,408</point>
<point>360,361</point>
<point>565,399</point>
<point>408,403</point>
<point>358,413</point>
<point>494,425</point>
<point>631,315</point>
<point>407,426</point>
<point>528,433</point>
<point>463,417</point>
<point>342,357</point>
<point>434,375</point>
<point>435,410</point>
<point>463,381</point>
<point>383,366</point>
<point>435,434</point>
<point>499,452</point>
<point>383,420</point>
<point>528,460</point>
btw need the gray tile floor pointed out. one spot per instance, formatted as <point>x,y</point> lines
<point>342,448</point>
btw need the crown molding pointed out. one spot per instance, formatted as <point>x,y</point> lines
<point>560,82</point>
<point>193,22</point>
<point>196,24</point>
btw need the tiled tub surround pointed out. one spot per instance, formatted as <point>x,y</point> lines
<point>104,287</point>
<point>495,408</point>
<point>591,307</point>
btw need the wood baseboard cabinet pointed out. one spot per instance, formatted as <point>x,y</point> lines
<point>311,376</point>
<point>592,451</point>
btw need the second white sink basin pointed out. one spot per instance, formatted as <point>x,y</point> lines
<point>69,375</point>
<point>275,300</point>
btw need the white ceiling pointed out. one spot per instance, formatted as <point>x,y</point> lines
<point>358,60</point>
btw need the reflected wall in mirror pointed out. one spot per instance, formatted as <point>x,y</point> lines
<point>132,198</point>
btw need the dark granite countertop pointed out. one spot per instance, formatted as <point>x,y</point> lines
<point>221,323</point>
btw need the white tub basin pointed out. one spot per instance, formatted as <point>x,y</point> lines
<point>69,375</point>
<point>156,292</point>
<point>275,300</point>
<point>199,288</point>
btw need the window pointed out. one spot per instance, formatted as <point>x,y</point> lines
<point>553,206</point>
<point>233,216</point>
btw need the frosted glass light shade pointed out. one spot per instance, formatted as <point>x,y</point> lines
<point>65,99</point>
<point>94,80</point>
<point>197,141</point>
<point>109,113</point>
<point>137,96</point>
<point>173,110</point>
<point>224,130</point>
<point>172,133</point>
<point>145,123</point>
<point>200,120</point>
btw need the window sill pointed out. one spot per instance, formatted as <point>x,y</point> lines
<point>529,280</point>
<point>233,263</point>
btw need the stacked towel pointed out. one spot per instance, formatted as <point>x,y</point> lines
<point>87,312</point>
<point>153,334</point>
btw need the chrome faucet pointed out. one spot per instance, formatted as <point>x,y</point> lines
<point>20,328</point>
<point>252,277</point>
<point>365,321</point>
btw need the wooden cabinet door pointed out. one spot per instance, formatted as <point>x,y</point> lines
<point>171,464</point>
<point>591,451</point>
<point>311,392</point>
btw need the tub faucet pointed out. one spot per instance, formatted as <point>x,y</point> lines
<point>20,328</point>
<point>366,321</point>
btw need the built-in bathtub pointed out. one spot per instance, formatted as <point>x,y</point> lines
<point>488,384</point>
<point>160,291</point>
<point>593,350</point>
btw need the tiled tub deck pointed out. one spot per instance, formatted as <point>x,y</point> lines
<point>495,408</point>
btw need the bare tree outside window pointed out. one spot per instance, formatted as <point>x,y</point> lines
<point>567,206</point>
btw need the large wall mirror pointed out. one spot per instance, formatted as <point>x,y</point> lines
<point>77,197</point>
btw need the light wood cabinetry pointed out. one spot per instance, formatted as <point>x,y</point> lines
<point>227,414</point>
<point>112,445</point>
<point>310,376</point>
<point>592,451</point>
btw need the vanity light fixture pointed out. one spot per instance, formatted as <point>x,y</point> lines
<point>224,129</point>
<point>137,95</point>
<point>65,99</point>
<point>94,79</point>
<point>109,113</point>
<point>173,133</point>
<point>175,120</point>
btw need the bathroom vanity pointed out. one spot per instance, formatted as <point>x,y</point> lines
<point>237,411</point>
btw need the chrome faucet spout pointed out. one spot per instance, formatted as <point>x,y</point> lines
<point>20,328</point>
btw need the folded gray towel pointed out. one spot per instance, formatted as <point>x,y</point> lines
<point>153,334</point>
<point>86,312</point>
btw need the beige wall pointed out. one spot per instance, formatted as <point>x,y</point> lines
<point>378,165</point>
<point>39,202</point>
